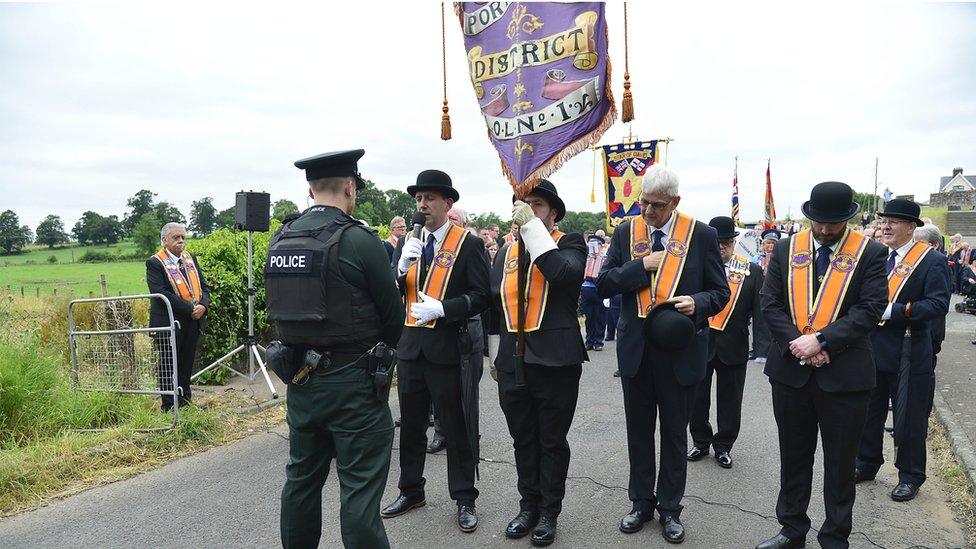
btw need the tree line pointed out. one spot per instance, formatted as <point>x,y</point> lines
<point>146,215</point>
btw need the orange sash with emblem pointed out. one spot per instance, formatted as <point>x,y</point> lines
<point>188,287</point>
<point>904,269</point>
<point>736,276</point>
<point>438,274</point>
<point>536,290</point>
<point>811,313</point>
<point>676,244</point>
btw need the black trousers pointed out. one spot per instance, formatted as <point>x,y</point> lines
<point>655,390</point>
<point>420,382</point>
<point>760,336</point>
<point>910,452</point>
<point>839,417</point>
<point>596,315</point>
<point>186,347</point>
<point>613,316</point>
<point>539,415</point>
<point>729,384</point>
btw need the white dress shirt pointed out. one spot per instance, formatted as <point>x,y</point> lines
<point>901,255</point>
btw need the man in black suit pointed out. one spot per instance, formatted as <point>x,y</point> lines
<point>728,352</point>
<point>661,256</point>
<point>918,295</point>
<point>175,273</point>
<point>540,412</point>
<point>444,278</point>
<point>820,363</point>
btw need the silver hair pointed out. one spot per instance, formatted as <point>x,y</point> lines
<point>460,211</point>
<point>164,232</point>
<point>929,234</point>
<point>660,181</point>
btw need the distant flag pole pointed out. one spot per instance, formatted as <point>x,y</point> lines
<point>770,207</point>
<point>735,192</point>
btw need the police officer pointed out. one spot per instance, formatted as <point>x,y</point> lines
<point>330,290</point>
<point>444,279</point>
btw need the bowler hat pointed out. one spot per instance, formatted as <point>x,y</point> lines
<point>667,329</point>
<point>434,180</point>
<point>547,190</point>
<point>902,209</point>
<point>830,202</point>
<point>333,164</point>
<point>724,226</point>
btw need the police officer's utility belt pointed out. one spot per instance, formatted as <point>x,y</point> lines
<point>295,364</point>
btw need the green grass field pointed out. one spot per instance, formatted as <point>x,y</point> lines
<point>40,254</point>
<point>127,277</point>
<point>938,216</point>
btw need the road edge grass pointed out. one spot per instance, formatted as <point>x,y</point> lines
<point>960,491</point>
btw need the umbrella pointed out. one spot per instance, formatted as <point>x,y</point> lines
<point>901,395</point>
<point>471,372</point>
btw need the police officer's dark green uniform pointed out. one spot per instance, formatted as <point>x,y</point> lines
<point>337,297</point>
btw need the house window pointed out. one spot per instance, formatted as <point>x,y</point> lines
<point>959,188</point>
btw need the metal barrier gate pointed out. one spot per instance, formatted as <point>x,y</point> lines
<point>112,355</point>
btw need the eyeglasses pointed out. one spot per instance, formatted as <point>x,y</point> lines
<point>657,206</point>
<point>890,221</point>
<point>727,243</point>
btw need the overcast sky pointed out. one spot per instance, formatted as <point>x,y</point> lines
<point>193,100</point>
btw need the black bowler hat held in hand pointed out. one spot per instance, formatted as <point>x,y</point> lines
<point>830,202</point>
<point>668,330</point>
<point>434,180</point>
<point>547,190</point>
<point>333,164</point>
<point>903,209</point>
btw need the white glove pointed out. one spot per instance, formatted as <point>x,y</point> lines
<point>522,213</point>
<point>413,248</point>
<point>427,309</point>
<point>537,238</point>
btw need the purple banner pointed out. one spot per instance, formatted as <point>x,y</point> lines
<point>542,77</point>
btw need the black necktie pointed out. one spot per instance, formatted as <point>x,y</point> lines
<point>823,263</point>
<point>891,261</point>
<point>428,255</point>
<point>182,268</point>
<point>658,241</point>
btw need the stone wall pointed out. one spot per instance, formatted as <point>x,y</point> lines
<point>965,200</point>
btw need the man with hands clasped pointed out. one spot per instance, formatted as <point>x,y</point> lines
<point>444,279</point>
<point>540,412</point>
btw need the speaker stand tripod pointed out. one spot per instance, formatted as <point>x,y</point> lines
<point>250,346</point>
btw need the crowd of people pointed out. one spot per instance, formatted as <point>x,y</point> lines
<point>846,319</point>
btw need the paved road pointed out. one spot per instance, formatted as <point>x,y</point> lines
<point>228,497</point>
<point>955,376</point>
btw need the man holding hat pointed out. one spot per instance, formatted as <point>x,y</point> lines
<point>918,298</point>
<point>728,352</point>
<point>661,257</point>
<point>760,332</point>
<point>822,297</point>
<point>330,292</point>
<point>540,412</point>
<point>443,276</point>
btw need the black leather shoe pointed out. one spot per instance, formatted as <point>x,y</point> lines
<point>401,505</point>
<point>724,459</point>
<point>905,491</point>
<point>598,347</point>
<point>779,541</point>
<point>467,518</point>
<point>861,476</point>
<point>752,355</point>
<point>545,532</point>
<point>672,530</point>
<point>634,521</point>
<point>616,373</point>
<point>697,453</point>
<point>589,347</point>
<point>437,444</point>
<point>521,525</point>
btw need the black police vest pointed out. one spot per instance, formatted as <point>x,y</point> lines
<point>307,297</point>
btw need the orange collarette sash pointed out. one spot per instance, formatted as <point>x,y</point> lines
<point>188,287</point>
<point>438,274</point>
<point>812,313</point>
<point>676,244</point>
<point>536,291</point>
<point>737,275</point>
<point>904,269</point>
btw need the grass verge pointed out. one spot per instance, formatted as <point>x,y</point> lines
<point>961,498</point>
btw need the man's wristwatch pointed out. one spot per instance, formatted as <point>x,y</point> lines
<point>822,339</point>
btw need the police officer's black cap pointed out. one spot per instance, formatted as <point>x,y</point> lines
<point>900,208</point>
<point>668,330</point>
<point>547,190</point>
<point>434,180</point>
<point>771,234</point>
<point>724,226</point>
<point>333,164</point>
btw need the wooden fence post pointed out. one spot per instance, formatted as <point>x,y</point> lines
<point>101,280</point>
<point>21,292</point>
<point>38,292</point>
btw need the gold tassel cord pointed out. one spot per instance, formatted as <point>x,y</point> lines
<point>627,104</point>
<point>445,118</point>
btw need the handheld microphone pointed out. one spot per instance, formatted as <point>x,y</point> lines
<point>418,221</point>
